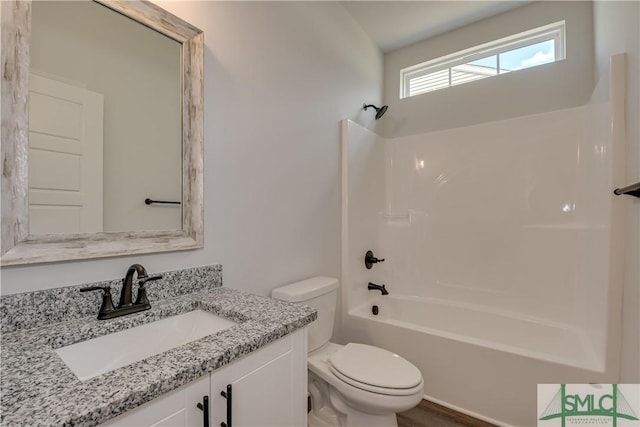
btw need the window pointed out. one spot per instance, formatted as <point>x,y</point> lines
<point>528,49</point>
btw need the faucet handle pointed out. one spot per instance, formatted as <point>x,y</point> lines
<point>370,259</point>
<point>107,303</point>
<point>142,299</point>
<point>143,280</point>
<point>96,288</point>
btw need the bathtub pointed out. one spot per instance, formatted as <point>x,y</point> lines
<point>484,363</point>
<point>502,244</point>
<point>503,331</point>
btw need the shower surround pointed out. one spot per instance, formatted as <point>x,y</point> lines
<point>502,243</point>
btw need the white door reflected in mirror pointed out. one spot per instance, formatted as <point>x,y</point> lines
<point>65,158</point>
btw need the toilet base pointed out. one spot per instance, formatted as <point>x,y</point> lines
<point>314,421</point>
<point>329,409</point>
<point>333,399</point>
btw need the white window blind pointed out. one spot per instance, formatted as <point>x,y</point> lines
<point>524,50</point>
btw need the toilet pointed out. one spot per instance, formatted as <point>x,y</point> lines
<point>352,385</point>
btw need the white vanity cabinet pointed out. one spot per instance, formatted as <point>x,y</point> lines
<point>268,388</point>
<point>176,408</point>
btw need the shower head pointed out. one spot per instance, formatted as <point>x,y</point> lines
<point>379,110</point>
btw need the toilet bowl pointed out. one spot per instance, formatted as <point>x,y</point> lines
<point>354,384</point>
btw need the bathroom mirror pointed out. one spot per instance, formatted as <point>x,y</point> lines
<point>24,240</point>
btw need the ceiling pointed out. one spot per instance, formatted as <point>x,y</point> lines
<point>395,24</point>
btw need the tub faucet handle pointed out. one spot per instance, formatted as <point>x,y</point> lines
<point>370,259</point>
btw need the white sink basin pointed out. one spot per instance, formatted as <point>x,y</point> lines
<point>90,358</point>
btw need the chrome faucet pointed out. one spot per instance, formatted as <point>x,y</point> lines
<point>125,306</point>
<point>381,288</point>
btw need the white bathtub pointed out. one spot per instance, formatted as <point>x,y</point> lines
<point>482,363</point>
<point>499,330</point>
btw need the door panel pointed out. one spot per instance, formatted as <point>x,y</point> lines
<point>65,158</point>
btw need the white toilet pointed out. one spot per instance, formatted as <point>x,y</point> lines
<point>353,385</point>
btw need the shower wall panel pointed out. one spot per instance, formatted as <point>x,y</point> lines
<point>495,214</point>
<point>363,190</point>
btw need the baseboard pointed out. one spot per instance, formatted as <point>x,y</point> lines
<point>466,412</point>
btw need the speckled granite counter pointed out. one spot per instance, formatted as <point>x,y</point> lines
<point>38,389</point>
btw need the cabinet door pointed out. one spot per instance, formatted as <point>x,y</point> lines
<point>268,386</point>
<point>263,397</point>
<point>174,409</point>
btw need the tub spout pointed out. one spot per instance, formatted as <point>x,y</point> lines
<point>381,288</point>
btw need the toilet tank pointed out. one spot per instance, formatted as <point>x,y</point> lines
<point>320,293</point>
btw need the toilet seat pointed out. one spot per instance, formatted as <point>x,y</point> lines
<point>375,369</point>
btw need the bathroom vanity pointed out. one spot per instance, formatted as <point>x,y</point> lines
<point>265,385</point>
<point>262,358</point>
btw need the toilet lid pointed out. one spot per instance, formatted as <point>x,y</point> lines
<point>375,366</point>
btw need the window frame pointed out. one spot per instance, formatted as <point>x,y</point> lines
<point>554,31</point>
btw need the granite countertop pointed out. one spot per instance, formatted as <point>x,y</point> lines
<point>38,389</point>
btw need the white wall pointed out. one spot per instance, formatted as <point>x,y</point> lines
<point>554,86</point>
<point>616,30</point>
<point>279,77</point>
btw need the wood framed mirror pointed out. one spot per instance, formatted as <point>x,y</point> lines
<point>21,247</point>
